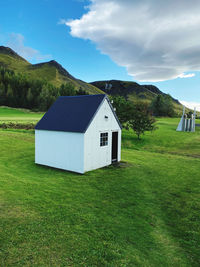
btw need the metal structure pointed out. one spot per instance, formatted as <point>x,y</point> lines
<point>187,124</point>
<point>108,86</point>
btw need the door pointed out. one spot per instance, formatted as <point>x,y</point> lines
<point>114,146</point>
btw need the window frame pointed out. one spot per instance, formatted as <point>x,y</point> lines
<point>103,139</point>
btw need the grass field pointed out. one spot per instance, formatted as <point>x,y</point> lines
<point>145,212</point>
<point>18,115</point>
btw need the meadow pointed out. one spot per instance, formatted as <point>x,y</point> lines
<point>18,115</point>
<point>143,212</point>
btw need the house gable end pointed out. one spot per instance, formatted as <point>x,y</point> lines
<point>108,122</point>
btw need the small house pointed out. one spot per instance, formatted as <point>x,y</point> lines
<point>79,134</point>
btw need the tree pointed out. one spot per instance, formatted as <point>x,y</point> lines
<point>9,95</point>
<point>46,97</point>
<point>123,108</point>
<point>29,97</point>
<point>141,120</point>
<point>162,105</point>
<point>2,93</point>
<point>81,91</point>
<point>67,89</point>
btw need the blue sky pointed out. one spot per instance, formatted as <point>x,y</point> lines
<point>103,42</point>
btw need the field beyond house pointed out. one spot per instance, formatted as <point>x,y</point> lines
<point>144,212</point>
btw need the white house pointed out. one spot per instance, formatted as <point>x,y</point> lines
<point>79,134</point>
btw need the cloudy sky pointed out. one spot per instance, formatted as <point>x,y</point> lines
<point>148,41</point>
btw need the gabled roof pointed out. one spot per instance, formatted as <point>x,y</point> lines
<point>71,113</point>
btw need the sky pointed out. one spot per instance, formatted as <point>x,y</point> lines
<point>149,41</point>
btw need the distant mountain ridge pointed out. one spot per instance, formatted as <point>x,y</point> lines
<point>8,51</point>
<point>54,73</point>
<point>51,71</point>
<point>130,90</point>
<point>55,64</point>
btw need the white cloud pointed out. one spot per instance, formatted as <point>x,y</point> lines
<point>155,40</point>
<point>191,105</point>
<point>16,42</point>
<point>183,75</point>
<point>62,21</point>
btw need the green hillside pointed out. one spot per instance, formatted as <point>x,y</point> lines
<point>55,74</point>
<point>133,91</point>
<point>51,71</point>
<point>11,60</point>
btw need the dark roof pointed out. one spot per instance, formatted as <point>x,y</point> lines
<point>71,113</point>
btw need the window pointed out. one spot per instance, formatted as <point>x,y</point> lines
<point>103,139</point>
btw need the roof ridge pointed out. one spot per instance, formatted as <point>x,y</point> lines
<point>71,113</point>
<point>83,95</point>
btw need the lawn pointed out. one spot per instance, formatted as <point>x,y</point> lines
<point>18,115</point>
<point>145,212</point>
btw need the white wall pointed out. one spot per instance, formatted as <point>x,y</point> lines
<point>61,150</point>
<point>96,156</point>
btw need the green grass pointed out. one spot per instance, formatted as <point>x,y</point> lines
<point>166,140</point>
<point>8,114</point>
<point>13,63</point>
<point>145,212</point>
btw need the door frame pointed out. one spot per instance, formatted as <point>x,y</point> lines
<point>116,146</point>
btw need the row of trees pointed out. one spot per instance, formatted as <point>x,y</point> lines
<point>18,90</point>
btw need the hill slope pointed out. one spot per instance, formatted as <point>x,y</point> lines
<point>132,91</point>
<point>54,73</point>
<point>129,90</point>
<point>51,71</point>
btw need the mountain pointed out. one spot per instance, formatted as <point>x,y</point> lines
<point>54,73</point>
<point>132,91</point>
<point>51,71</point>
<point>8,51</point>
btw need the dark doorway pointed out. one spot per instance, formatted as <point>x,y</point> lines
<point>114,146</point>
